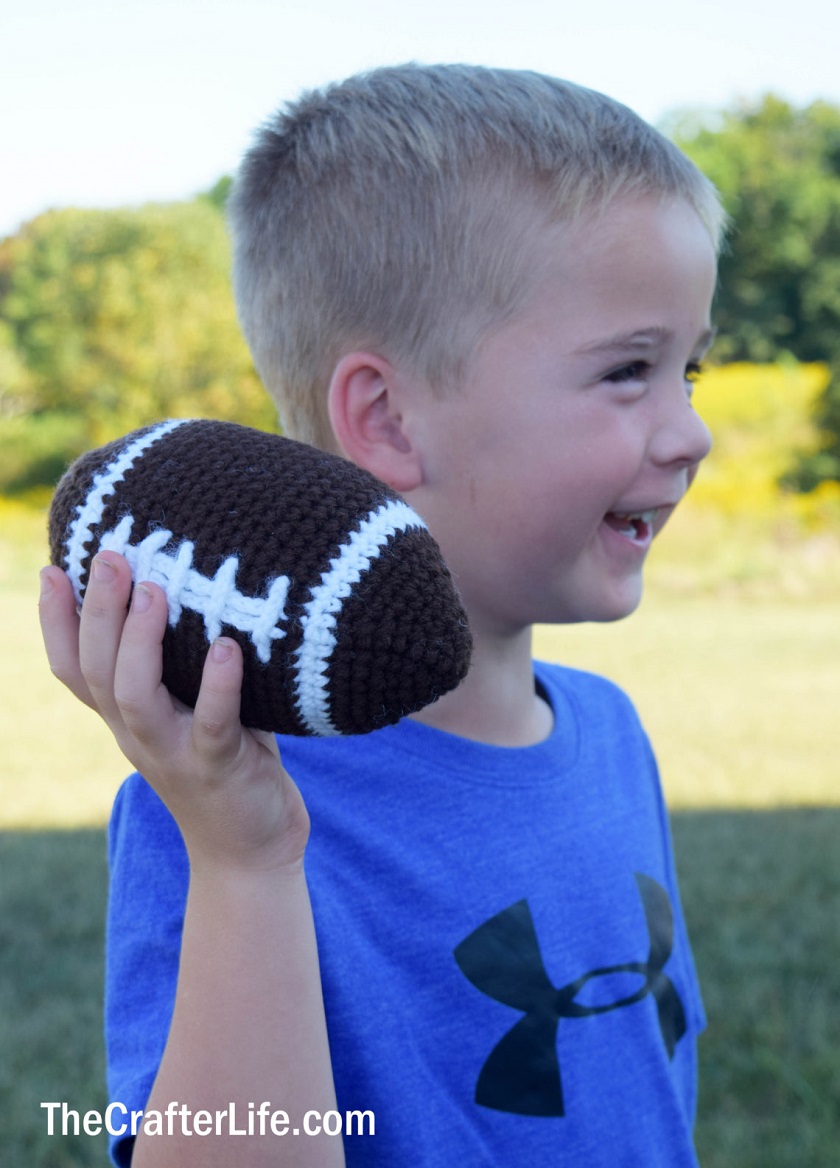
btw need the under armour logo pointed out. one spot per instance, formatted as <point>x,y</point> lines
<point>502,958</point>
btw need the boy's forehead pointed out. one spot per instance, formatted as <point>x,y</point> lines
<point>626,275</point>
<point>617,243</point>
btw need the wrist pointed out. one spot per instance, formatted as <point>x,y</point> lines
<point>222,872</point>
<point>227,831</point>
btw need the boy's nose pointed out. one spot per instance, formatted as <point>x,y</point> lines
<point>682,438</point>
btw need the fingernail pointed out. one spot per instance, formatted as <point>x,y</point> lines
<point>141,598</point>
<point>46,582</point>
<point>221,650</point>
<point>104,571</point>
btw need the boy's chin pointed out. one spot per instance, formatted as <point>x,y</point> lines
<point>612,608</point>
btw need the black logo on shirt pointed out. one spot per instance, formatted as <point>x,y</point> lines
<point>502,958</point>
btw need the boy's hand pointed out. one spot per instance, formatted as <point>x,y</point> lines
<point>224,784</point>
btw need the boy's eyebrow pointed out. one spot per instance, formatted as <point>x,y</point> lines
<point>641,339</point>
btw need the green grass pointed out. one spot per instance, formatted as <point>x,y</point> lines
<point>736,676</point>
<point>762,894</point>
<point>52,899</point>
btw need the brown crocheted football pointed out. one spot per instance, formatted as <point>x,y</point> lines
<point>337,593</point>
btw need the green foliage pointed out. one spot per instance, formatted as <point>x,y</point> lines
<point>219,192</point>
<point>762,418</point>
<point>822,464</point>
<point>111,319</point>
<point>121,317</point>
<point>14,376</point>
<point>35,449</point>
<point>778,170</point>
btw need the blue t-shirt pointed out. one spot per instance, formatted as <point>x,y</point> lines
<point>507,977</point>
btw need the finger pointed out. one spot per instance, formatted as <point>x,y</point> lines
<point>101,625</point>
<point>217,730</point>
<point>145,706</point>
<point>60,630</point>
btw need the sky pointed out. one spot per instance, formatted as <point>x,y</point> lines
<point>119,102</point>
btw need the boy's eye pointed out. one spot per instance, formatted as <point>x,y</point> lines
<point>693,372</point>
<point>636,371</point>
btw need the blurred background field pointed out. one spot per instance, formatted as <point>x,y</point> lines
<point>111,319</point>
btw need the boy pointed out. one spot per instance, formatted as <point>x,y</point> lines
<point>492,290</point>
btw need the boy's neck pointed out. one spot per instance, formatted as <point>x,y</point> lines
<point>497,703</point>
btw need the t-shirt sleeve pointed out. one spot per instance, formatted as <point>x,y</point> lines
<point>149,876</point>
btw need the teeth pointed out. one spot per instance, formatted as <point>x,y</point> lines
<point>634,516</point>
<point>635,524</point>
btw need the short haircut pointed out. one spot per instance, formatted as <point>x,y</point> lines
<point>397,209</point>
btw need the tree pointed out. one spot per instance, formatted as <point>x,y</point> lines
<point>778,170</point>
<point>219,192</point>
<point>122,317</point>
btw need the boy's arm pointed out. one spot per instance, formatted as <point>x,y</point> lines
<point>248,1025</point>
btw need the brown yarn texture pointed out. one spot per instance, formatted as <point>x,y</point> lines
<point>284,509</point>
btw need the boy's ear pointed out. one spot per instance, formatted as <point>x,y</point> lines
<point>364,402</point>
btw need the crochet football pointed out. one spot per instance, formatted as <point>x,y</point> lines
<point>337,593</point>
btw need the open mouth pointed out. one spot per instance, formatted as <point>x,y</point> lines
<point>635,525</point>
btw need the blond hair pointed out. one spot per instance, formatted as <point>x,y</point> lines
<point>396,210</point>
